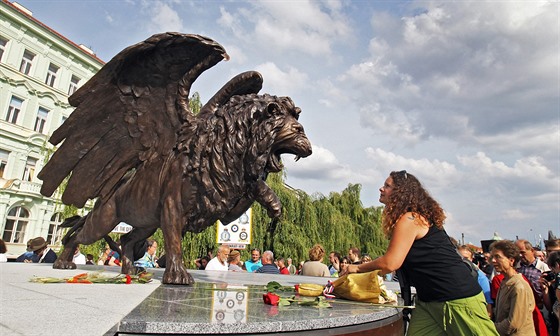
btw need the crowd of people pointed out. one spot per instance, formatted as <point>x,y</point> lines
<point>511,289</point>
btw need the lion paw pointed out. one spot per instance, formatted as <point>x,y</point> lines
<point>179,277</point>
<point>63,264</point>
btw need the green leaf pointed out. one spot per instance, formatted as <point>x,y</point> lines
<point>284,302</point>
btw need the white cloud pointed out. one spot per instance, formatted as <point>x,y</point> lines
<point>461,71</point>
<point>321,165</point>
<point>164,18</point>
<point>516,214</point>
<point>282,83</point>
<point>433,174</point>
<point>311,27</point>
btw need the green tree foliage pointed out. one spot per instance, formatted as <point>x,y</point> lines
<point>337,222</point>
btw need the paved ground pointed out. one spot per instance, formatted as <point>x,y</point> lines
<point>62,309</point>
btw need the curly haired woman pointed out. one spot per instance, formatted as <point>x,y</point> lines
<point>449,300</point>
<point>315,266</point>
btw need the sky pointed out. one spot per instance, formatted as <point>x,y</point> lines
<point>465,95</point>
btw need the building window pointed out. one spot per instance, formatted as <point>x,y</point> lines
<point>3,161</point>
<point>51,75</point>
<point>55,231</point>
<point>29,171</point>
<point>16,222</point>
<point>26,62</point>
<point>13,110</point>
<point>73,85</point>
<point>3,43</point>
<point>41,120</point>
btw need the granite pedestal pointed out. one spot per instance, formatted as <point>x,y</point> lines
<point>219,303</point>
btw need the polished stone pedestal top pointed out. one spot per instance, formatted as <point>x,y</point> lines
<point>207,308</point>
<point>218,303</point>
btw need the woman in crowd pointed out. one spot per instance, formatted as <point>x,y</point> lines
<point>515,301</point>
<point>366,258</point>
<point>109,257</point>
<point>449,299</point>
<point>315,266</point>
<point>234,259</point>
<point>344,262</point>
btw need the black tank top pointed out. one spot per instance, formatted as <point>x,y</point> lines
<point>436,270</point>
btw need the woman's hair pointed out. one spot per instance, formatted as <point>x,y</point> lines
<point>3,248</point>
<point>553,259</point>
<point>365,258</point>
<point>408,195</point>
<point>345,259</point>
<point>508,248</point>
<point>316,253</point>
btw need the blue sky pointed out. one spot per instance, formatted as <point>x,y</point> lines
<point>463,94</point>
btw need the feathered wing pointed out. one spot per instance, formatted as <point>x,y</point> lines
<point>127,114</point>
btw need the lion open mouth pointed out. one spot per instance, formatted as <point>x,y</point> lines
<point>301,148</point>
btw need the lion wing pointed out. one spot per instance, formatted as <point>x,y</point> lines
<point>127,114</point>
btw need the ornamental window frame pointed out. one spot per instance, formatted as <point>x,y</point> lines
<point>51,74</point>
<point>14,109</point>
<point>16,221</point>
<point>41,120</point>
<point>26,62</point>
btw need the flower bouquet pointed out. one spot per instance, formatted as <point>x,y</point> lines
<point>97,277</point>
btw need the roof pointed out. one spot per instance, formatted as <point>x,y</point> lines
<point>30,17</point>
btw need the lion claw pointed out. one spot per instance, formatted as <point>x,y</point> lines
<point>62,264</point>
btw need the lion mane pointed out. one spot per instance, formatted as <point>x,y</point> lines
<point>228,170</point>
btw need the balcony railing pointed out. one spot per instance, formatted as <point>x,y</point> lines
<point>22,186</point>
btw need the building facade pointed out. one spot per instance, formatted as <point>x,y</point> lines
<point>39,69</point>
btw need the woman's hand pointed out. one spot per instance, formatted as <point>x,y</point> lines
<point>350,269</point>
<point>353,269</point>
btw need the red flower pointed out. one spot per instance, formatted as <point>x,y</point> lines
<point>128,279</point>
<point>271,299</point>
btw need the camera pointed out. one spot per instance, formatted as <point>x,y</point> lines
<point>479,259</point>
<point>549,276</point>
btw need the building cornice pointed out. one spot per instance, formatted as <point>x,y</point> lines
<point>25,15</point>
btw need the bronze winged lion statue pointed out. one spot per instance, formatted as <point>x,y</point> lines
<point>134,145</point>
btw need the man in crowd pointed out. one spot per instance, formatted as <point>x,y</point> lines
<point>551,245</point>
<point>148,260</point>
<point>334,267</point>
<point>219,262</point>
<point>354,255</point>
<point>291,267</point>
<point>268,265</point>
<point>532,268</point>
<point>255,262</point>
<point>42,253</point>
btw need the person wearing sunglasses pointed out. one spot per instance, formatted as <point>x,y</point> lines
<point>449,299</point>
